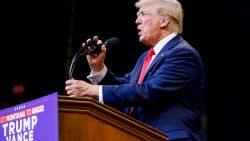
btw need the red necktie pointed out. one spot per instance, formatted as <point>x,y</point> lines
<point>145,65</point>
<point>143,70</point>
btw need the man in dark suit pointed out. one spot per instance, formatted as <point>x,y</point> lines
<point>165,88</point>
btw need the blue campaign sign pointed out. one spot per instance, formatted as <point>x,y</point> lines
<point>36,120</point>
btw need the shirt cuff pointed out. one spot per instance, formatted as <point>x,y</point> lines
<point>100,95</point>
<point>96,78</point>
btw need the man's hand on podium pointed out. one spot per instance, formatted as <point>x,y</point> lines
<point>80,88</point>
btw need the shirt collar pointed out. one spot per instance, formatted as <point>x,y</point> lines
<point>157,48</point>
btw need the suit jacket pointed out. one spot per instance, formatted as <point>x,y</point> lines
<point>170,97</point>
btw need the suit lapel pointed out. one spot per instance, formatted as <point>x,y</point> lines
<point>173,42</point>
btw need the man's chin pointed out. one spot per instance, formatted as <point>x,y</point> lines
<point>141,38</point>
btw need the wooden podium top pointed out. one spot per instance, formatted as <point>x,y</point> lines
<point>103,121</point>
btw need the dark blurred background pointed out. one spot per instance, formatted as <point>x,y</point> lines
<point>39,39</point>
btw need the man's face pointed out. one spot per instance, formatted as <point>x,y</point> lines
<point>148,24</point>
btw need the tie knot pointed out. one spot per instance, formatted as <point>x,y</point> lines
<point>151,52</point>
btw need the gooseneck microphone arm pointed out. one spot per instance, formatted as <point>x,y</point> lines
<point>73,62</point>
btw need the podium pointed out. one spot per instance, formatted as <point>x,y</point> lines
<point>85,119</point>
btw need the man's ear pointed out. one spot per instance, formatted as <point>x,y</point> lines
<point>164,22</point>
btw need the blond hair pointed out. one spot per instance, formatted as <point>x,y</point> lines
<point>170,8</point>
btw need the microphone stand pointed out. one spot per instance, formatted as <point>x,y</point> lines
<point>73,62</point>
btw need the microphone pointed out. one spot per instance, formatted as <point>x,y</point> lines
<point>92,49</point>
<point>95,49</point>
